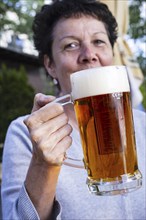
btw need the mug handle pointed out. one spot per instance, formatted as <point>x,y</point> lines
<point>69,161</point>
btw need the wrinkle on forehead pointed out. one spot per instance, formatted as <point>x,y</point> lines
<point>66,27</point>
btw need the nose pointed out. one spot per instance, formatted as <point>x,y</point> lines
<point>88,55</point>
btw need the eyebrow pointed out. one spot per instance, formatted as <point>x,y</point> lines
<point>74,37</point>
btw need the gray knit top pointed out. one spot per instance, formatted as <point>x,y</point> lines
<point>73,200</point>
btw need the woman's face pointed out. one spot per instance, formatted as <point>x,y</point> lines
<point>79,43</point>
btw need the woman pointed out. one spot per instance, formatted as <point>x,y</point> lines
<point>70,35</point>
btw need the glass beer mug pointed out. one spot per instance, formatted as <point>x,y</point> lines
<point>102,104</point>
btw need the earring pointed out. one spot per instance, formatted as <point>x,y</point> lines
<point>55,81</point>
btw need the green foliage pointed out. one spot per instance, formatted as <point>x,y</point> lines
<point>25,12</point>
<point>142,62</point>
<point>143,90</point>
<point>137,27</point>
<point>137,20</point>
<point>16,96</point>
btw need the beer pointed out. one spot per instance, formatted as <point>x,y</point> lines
<point>101,98</point>
<point>107,135</point>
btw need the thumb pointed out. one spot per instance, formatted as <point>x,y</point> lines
<point>41,100</point>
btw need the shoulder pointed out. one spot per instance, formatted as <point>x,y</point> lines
<point>17,136</point>
<point>19,121</point>
<point>18,125</point>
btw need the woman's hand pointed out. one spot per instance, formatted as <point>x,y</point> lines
<point>41,100</point>
<point>49,130</point>
<point>50,135</point>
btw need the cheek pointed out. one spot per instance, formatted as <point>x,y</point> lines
<point>64,81</point>
<point>107,59</point>
<point>63,69</point>
<point>67,64</point>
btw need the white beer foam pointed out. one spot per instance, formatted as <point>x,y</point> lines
<point>98,81</point>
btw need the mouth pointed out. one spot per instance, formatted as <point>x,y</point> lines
<point>84,68</point>
<point>87,67</point>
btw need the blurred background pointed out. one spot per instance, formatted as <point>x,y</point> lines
<point>22,75</point>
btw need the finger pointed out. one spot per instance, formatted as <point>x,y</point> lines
<point>56,156</point>
<point>51,142</point>
<point>60,134</point>
<point>44,114</point>
<point>46,129</point>
<point>40,100</point>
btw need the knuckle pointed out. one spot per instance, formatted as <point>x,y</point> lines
<point>68,128</point>
<point>37,97</point>
<point>34,136</point>
<point>66,118</point>
<point>68,141</point>
<point>29,120</point>
<point>58,108</point>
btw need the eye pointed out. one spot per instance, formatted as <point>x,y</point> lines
<point>99,42</point>
<point>72,46</point>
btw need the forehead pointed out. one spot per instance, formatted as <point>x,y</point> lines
<point>76,25</point>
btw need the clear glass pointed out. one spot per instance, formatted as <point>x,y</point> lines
<point>107,136</point>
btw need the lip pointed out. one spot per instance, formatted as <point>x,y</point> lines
<point>87,67</point>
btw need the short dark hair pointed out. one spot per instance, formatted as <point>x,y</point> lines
<point>50,14</point>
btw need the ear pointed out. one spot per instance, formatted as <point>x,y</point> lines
<point>49,66</point>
